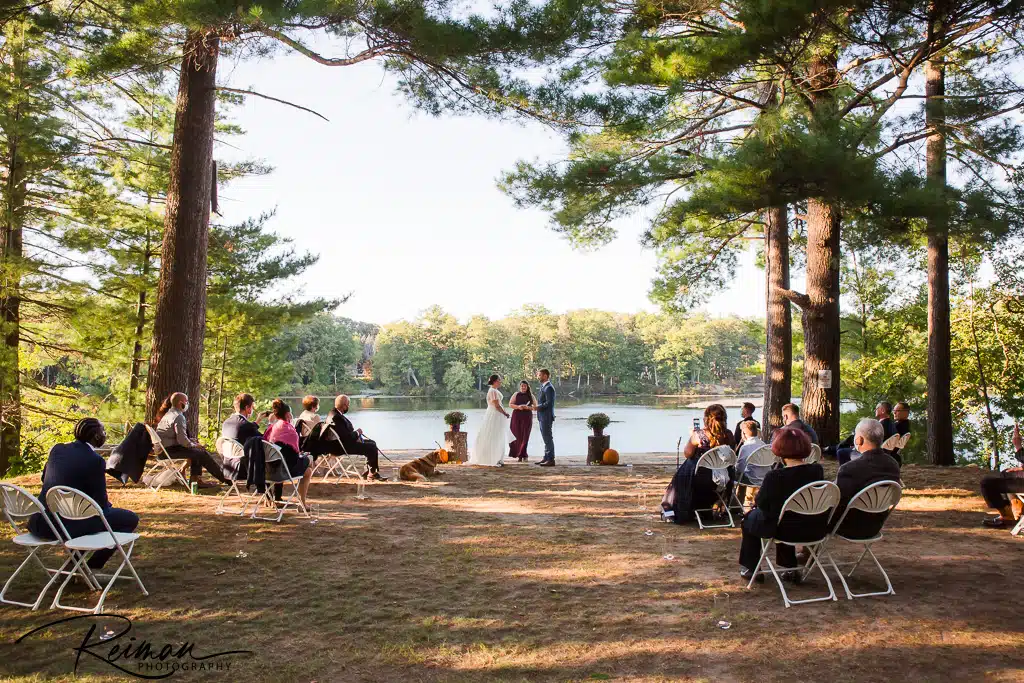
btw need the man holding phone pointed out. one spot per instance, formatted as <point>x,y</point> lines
<point>997,488</point>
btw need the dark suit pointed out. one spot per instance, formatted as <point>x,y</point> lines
<point>871,467</point>
<point>239,428</point>
<point>546,419</point>
<point>353,442</point>
<point>763,520</point>
<point>77,465</point>
<point>995,487</point>
<point>845,449</point>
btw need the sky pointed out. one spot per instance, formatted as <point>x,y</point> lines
<point>404,209</point>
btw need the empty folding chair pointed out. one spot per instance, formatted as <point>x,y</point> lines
<point>232,454</point>
<point>277,473</point>
<point>818,500</point>
<point>67,503</point>
<point>718,460</point>
<point>165,468</point>
<point>758,465</point>
<point>18,506</point>
<point>861,523</point>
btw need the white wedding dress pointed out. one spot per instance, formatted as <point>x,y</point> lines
<point>491,444</point>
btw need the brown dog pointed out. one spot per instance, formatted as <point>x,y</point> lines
<point>421,468</point>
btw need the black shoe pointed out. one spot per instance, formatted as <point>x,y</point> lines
<point>374,476</point>
<point>996,523</point>
<point>793,576</point>
<point>746,574</point>
<point>546,463</point>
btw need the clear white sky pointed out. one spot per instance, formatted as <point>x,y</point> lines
<point>404,210</point>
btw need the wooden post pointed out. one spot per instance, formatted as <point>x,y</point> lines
<point>596,446</point>
<point>457,446</point>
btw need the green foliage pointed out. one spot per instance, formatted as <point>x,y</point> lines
<point>455,418</point>
<point>598,421</point>
<point>458,379</point>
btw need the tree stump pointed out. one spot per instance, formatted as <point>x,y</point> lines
<point>596,446</point>
<point>456,445</point>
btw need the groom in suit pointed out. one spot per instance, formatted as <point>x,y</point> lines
<point>546,416</point>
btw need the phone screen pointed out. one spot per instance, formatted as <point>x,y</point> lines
<point>696,423</point>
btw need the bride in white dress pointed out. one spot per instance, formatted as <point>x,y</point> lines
<point>492,440</point>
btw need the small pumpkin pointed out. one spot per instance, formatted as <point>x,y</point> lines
<point>442,455</point>
<point>610,457</point>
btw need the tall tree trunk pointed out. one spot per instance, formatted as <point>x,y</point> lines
<point>778,369</point>
<point>180,319</point>
<point>820,405</point>
<point>15,195</point>
<point>140,327</point>
<point>940,373</point>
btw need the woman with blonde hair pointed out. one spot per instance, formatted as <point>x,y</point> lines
<point>692,489</point>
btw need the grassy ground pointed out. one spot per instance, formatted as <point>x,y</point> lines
<point>524,574</point>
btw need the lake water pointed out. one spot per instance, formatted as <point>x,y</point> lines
<point>639,425</point>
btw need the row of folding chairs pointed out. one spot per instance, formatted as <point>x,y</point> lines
<point>277,472</point>
<point>821,499</point>
<point>67,504</point>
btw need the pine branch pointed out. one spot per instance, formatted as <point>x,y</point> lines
<point>267,97</point>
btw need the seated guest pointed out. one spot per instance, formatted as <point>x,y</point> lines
<point>281,433</point>
<point>901,419</point>
<point>692,489</point>
<point>746,415</point>
<point>78,465</point>
<point>873,465</point>
<point>751,442</point>
<point>996,487</point>
<point>238,426</point>
<point>173,432</point>
<point>352,439</point>
<point>846,450</point>
<point>308,418</point>
<point>793,446</point>
<point>791,418</point>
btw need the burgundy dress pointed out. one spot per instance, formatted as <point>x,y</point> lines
<point>522,424</point>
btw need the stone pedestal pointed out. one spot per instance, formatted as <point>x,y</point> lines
<point>457,446</point>
<point>596,446</point>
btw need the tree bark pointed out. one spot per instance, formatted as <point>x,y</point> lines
<point>778,369</point>
<point>820,406</point>
<point>940,373</point>
<point>180,319</point>
<point>15,195</point>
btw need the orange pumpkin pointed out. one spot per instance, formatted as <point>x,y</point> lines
<point>610,457</point>
<point>442,455</point>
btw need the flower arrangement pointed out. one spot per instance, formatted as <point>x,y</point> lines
<point>597,422</point>
<point>455,419</point>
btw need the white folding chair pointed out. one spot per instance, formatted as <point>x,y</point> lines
<point>878,500</point>
<point>1020,522</point>
<point>18,506</point>
<point>811,500</point>
<point>815,455</point>
<point>157,474</point>
<point>232,452</point>
<point>277,473</point>
<point>718,460</point>
<point>344,465</point>
<point>68,503</point>
<point>892,443</point>
<point>762,459</point>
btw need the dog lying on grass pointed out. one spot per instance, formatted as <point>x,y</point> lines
<point>421,468</point>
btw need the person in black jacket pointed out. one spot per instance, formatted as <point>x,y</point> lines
<point>238,426</point>
<point>352,439</point>
<point>883,414</point>
<point>873,465</point>
<point>746,415</point>
<point>793,446</point>
<point>995,487</point>
<point>78,465</point>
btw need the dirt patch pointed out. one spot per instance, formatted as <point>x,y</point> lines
<point>525,574</point>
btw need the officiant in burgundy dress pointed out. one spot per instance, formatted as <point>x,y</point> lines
<point>522,404</point>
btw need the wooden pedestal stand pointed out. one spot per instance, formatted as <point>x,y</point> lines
<point>596,446</point>
<point>456,445</point>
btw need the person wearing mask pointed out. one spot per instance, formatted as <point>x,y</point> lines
<point>78,465</point>
<point>352,439</point>
<point>996,488</point>
<point>793,446</point>
<point>746,415</point>
<point>791,418</point>
<point>847,450</point>
<point>239,425</point>
<point>173,432</point>
<point>873,465</point>
<point>692,489</point>
<point>282,434</point>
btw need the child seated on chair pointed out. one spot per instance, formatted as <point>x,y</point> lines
<point>78,465</point>
<point>794,447</point>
